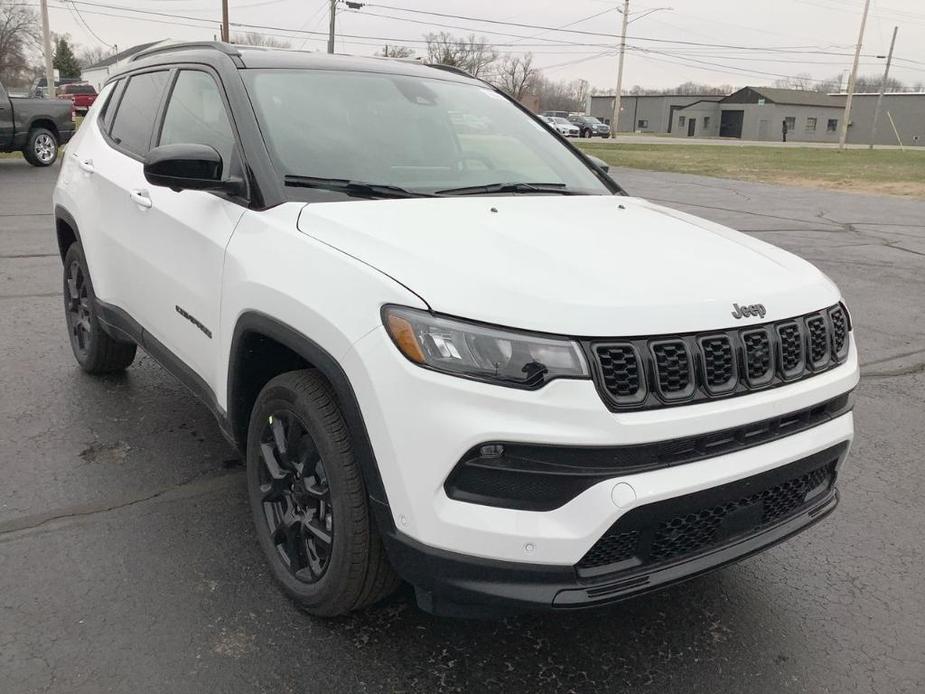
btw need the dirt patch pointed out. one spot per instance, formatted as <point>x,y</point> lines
<point>106,453</point>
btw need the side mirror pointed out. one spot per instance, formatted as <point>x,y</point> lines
<point>599,163</point>
<point>187,167</point>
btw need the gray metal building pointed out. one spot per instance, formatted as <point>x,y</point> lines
<point>760,113</point>
<point>907,110</point>
<point>645,113</point>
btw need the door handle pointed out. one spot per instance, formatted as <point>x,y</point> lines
<point>140,198</point>
<point>86,165</point>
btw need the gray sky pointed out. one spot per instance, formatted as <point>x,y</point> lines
<point>784,37</point>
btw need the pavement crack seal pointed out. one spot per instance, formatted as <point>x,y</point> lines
<point>894,373</point>
<point>198,484</point>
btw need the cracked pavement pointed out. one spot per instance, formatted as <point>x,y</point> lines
<point>128,563</point>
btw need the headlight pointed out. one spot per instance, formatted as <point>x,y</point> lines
<point>485,353</point>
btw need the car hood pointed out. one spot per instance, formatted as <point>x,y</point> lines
<point>576,265</point>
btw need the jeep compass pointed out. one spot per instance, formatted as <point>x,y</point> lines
<point>452,350</point>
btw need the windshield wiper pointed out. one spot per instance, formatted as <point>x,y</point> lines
<point>489,188</point>
<point>358,188</point>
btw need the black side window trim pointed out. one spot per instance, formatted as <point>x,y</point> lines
<point>229,113</point>
<point>104,120</point>
<point>160,107</point>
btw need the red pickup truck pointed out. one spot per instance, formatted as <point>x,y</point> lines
<point>81,95</point>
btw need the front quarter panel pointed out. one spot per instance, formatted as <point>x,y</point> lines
<point>329,297</point>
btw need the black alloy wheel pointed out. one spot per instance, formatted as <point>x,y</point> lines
<point>96,351</point>
<point>309,501</point>
<point>296,497</point>
<point>77,307</point>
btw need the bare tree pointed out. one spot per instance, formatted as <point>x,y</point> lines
<point>516,75</point>
<point>88,56</point>
<point>253,38</point>
<point>19,29</point>
<point>561,95</point>
<point>474,55</point>
<point>803,81</point>
<point>396,52</point>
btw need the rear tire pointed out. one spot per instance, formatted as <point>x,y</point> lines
<point>94,349</point>
<point>309,501</point>
<point>41,147</point>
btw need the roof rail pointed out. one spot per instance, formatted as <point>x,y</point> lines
<point>226,48</point>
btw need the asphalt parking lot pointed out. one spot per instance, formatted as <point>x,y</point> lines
<point>128,562</point>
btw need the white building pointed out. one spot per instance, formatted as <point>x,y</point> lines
<point>98,74</point>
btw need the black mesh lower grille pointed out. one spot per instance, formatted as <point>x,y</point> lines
<point>689,525</point>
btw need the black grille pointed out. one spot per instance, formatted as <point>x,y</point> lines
<point>818,334</point>
<point>759,367</point>
<point>839,331</point>
<point>664,370</point>
<point>689,525</point>
<point>719,366</point>
<point>620,371</point>
<point>672,368</point>
<point>618,547</point>
<point>791,349</point>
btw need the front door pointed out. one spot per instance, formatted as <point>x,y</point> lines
<point>182,236</point>
<point>691,126</point>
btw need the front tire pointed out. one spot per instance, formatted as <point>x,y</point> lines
<point>309,501</point>
<point>94,349</point>
<point>41,147</point>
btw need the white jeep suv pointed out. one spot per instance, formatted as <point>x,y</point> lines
<point>458,356</point>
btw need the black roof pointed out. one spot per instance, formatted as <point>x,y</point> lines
<point>248,57</point>
<point>115,58</point>
<point>788,97</point>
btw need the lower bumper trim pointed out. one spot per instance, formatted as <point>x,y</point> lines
<point>453,584</point>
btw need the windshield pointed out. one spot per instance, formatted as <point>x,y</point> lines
<point>423,135</point>
<point>562,121</point>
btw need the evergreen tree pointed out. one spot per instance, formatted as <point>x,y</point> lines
<point>65,60</point>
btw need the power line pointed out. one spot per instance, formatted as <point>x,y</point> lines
<point>87,25</point>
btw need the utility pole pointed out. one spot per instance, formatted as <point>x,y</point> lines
<point>331,26</point>
<point>615,121</point>
<point>226,35</point>
<point>851,80</point>
<point>886,76</point>
<point>46,42</point>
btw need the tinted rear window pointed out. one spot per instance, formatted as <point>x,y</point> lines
<point>134,119</point>
<point>80,89</point>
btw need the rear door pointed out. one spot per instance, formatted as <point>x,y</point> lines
<point>179,239</point>
<point>111,161</point>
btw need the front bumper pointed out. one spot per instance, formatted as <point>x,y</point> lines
<point>450,584</point>
<point>421,423</point>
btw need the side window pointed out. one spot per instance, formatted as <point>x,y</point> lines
<point>196,115</point>
<point>109,108</point>
<point>134,118</point>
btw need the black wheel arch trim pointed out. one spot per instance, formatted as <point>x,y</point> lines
<point>63,215</point>
<point>263,324</point>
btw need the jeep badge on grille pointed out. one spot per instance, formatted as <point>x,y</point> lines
<point>746,311</point>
